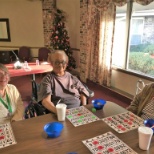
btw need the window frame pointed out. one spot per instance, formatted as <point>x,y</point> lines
<point>127,39</point>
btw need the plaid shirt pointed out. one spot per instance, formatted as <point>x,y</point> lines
<point>148,111</point>
<point>142,99</point>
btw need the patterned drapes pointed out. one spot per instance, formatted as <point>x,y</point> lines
<point>96,41</point>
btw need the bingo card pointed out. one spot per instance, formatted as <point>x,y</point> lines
<point>107,143</point>
<point>80,116</point>
<point>6,135</point>
<point>123,122</point>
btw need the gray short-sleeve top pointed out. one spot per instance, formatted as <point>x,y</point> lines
<point>68,87</point>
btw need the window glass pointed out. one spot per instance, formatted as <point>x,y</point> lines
<point>119,49</point>
<point>141,43</point>
<point>137,31</point>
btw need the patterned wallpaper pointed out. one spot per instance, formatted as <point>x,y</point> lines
<point>83,38</point>
<point>48,7</point>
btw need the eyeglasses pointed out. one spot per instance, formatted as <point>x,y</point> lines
<point>62,62</point>
<point>4,75</point>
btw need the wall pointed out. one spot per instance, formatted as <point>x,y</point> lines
<point>72,8</point>
<point>26,26</point>
<point>125,83</point>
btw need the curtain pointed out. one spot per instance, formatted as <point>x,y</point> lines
<point>97,21</point>
<point>96,40</point>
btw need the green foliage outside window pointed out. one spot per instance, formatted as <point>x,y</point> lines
<point>141,62</point>
<point>138,48</point>
<point>146,48</point>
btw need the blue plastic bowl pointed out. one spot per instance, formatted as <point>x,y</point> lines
<point>149,123</point>
<point>98,103</point>
<point>53,129</point>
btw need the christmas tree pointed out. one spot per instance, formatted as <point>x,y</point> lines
<point>60,39</point>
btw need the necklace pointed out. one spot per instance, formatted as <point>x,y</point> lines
<point>8,106</point>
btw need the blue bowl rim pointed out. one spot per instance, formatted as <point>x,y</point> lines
<point>146,122</point>
<point>94,101</point>
<point>51,123</point>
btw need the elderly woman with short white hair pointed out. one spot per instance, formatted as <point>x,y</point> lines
<point>61,84</point>
<point>11,105</point>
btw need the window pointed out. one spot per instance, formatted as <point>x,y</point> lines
<point>136,31</point>
<point>119,38</point>
<point>133,48</point>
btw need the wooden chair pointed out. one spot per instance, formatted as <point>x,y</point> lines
<point>24,54</point>
<point>43,53</point>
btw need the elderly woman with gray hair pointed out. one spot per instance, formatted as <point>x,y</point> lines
<point>61,84</point>
<point>11,105</point>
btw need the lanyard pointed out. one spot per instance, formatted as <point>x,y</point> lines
<point>8,101</point>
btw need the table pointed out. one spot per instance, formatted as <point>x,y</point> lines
<point>34,69</point>
<point>31,138</point>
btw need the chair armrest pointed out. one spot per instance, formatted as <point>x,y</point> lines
<point>91,93</point>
